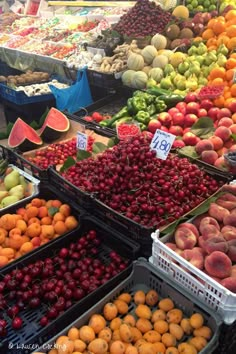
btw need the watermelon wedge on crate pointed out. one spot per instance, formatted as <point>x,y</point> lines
<point>204,263</point>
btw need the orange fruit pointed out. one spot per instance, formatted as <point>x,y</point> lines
<point>231,31</point>
<point>7,252</point>
<point>21,211</point>
<point>47,220</point>
<point>60,227</point>
<point>21,224</point>
<point>231,43</point>
<point>207,34</point>
<point>218,27</point>
<point>3,261</point>
<point>233,90</point>
<point>231,63</point>
<point>16,241</point>
<point>42,212</point>
<point>58,217</point>
<point>26,247</point>
<point>65,209</point>
<point>14,231</point>
<point>7,222</point>
<point>218,81</point>
<point>36,202</point>
<point>71,222</point>
<point>33,230</point>
<point>217,73</point>
<point>229,74</point>
<point>33,220</point>
<point>222,39</point>
<point>230,15</point>
<point>31,212</point>
<point>56,203</point>
<point>47,231</point>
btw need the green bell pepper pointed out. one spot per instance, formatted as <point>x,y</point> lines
<point>171,99</point>
<point>160,105</point>
<point>122,113</point>
<point>151,109</point>
<point>139,104</point>
<point>143,127</point>
<point>130,106</point>
<point>148,97</point>
<point>122,120</point>
<point>157,91</point>
<point>143,117</point>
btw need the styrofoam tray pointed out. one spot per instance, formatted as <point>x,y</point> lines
<point>192,279</point>
<point>145,277</point>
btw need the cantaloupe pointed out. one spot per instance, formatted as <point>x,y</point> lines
<point>160,61</point>
<point>159,41</point>
<point>135,62</point>
<point>149,53</point>
<point>127,77</point>
<point>139,80</point>
<point>156,74</point>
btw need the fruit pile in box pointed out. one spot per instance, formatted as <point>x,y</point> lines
<point>141,315</point>
<point>50,284</point>
<point>130,180</point>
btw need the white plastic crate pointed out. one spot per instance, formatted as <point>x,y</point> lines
<point>193,280</point>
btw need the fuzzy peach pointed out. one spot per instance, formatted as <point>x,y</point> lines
<point>218,264</point>
<point>185,238</point>
<point>217,243</point>
<point>194,257</point>
<point>229,232</point>
<point>203,145</point>
<point>223,132</point>
<point>209,156</point>
<point>217,212</point>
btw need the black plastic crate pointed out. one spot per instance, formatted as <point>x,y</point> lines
<point>32,333</point>
<point>227,339</point>
<point>145,277</point>
<point>47,192</point>
<point>117,221</point>
<point>103,80</point>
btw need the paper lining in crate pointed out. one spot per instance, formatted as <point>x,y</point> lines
<point>192,279</point>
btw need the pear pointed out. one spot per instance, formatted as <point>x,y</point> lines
<point>3,194</point>
<point>166,83</point>
<point>23,182</point>
<point>18,191</point>
<point>151,83</point>
<point>12,180</point>
<point>11,199</point>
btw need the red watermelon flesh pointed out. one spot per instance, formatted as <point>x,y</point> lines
<point>55,124</point>
<point>24,137</point>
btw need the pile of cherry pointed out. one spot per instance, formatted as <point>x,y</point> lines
<point>54,284</point>
<point>56,154</point>
<point>150,191</point>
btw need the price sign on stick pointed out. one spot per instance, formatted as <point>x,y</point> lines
<point>161,143</point>
<point>82,141</point>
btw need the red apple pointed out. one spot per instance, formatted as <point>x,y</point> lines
<point>164,129</point>
<point>190,97</point>
<point>181,106</point>
<point>165,119</point>
<point>172,111</point>
<point>153,125</point>
<point>192,107</point>
<point>178,144</point>
<point>186,130</point>
<point>190,139</point>
<point>176,130</point>
<point>232,106</point>
<point>190,119</point>
<point>224,112</point>
<point>206,104</point>
<point>178,119</point>
<point>213,113</point>
<point>202,112</point>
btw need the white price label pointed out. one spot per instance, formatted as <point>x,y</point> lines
<point>161,143</point>
<point>82,141</point>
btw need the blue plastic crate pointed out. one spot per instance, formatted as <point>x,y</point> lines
<point>19,97</point>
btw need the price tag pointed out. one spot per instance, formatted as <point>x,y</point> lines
<point>82,141</point>
<point>161,143</point>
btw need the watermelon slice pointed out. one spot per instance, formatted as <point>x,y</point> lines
<point>23,137</point>
<point>55,124</point>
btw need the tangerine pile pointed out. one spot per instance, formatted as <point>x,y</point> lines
<point>221,30</point>
<point>36,224</point>
<point>153,327</point>
<point>225,77</point>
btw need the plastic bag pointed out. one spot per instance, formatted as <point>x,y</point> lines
<point>76,96</point>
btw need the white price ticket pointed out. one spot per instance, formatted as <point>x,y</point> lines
<point>161,143</point>
<point>82,141</point>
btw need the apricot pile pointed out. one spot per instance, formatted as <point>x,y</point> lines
<point>150,327</point>
<point>36,224</point>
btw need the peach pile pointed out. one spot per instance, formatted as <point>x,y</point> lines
<point>209,243</point>
<point>153,327</point>
<point>39,222</point>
